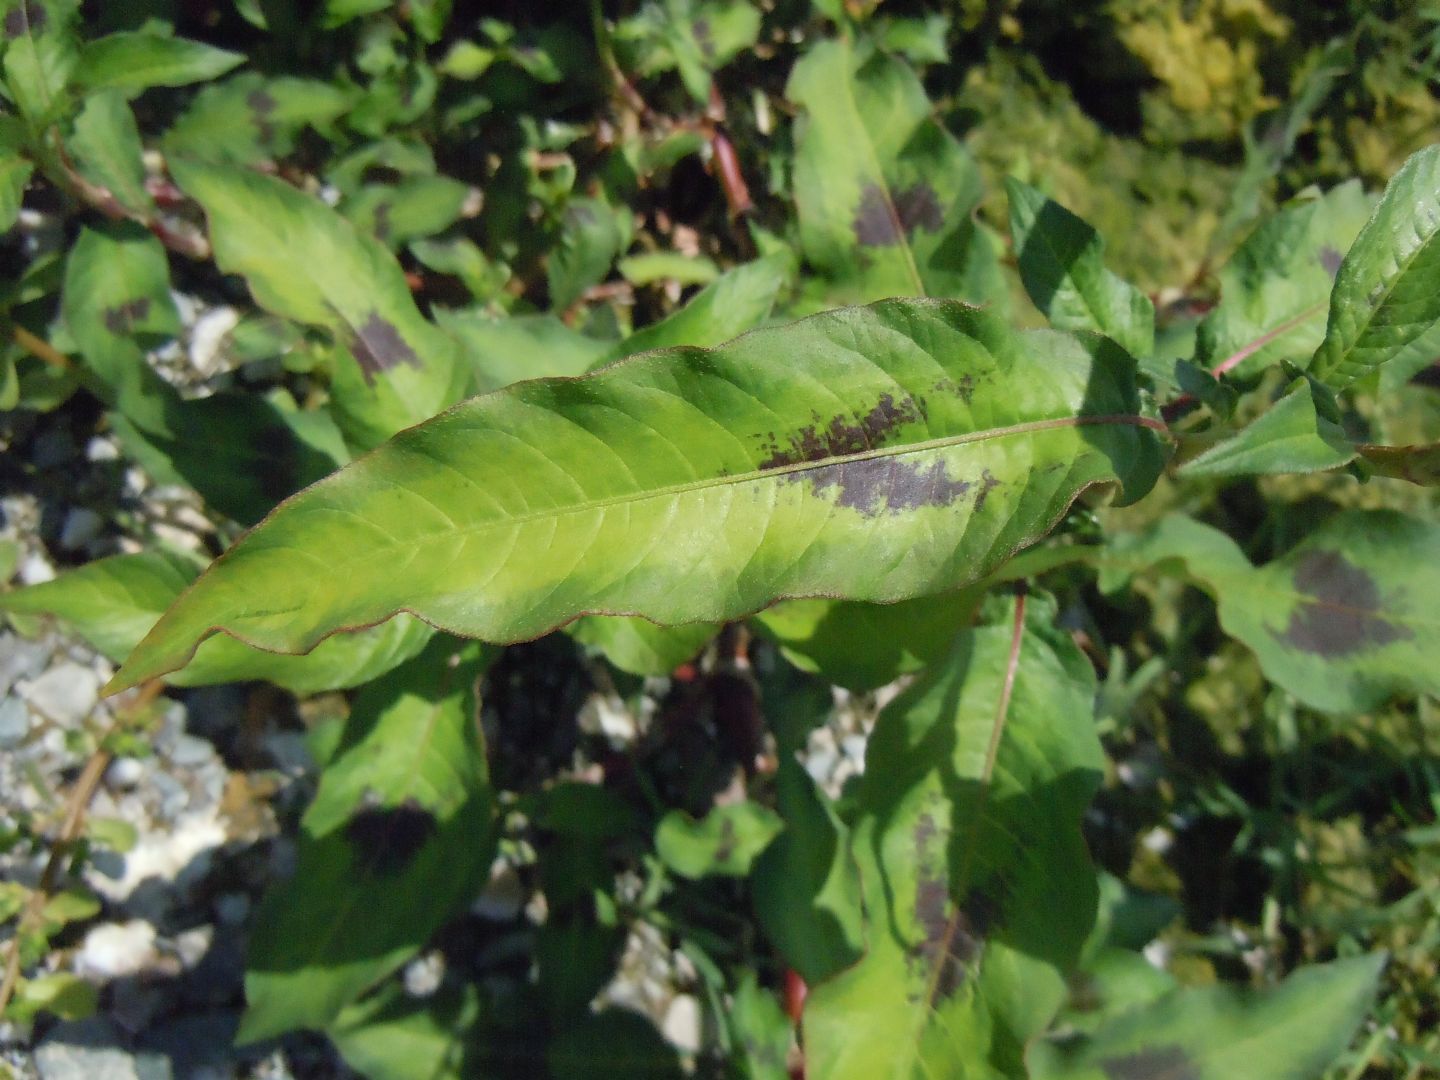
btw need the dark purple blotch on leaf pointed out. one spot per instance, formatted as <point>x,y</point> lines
<point>953,936</point>
<point>870,485</point>
<point>386,839</point>
<point>1330,259</point>
<point>378,347</point>
<point>261,106</point>
<point>845,434</point>
<point>881,222</point>
<point>1161,1063</point>
<point>700,28</point>
<point>381,228</point>
<point>122,318</point>
<point>725,849</point>
<point>24,18</point>
<point>1342,614</point>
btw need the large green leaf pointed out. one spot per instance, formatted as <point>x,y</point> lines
<point>978,888</point>
<point>306,262</point>
<point>883,192</point>
<point>1387,291</point>
<point>1063,267</point>
<point>398,839</point>
<point>1342,621</point>
<point>132,62</point>
<point>112,603</point>
<point>1289,1032</point>
<point>877,453</point>
<point>1274,288</point>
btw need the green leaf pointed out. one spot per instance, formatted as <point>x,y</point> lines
<point>506,350</point>
<point>401,827</point>
<point>805,889</point>
<point>724,842</point>
<point>1342,621</point>
<point>979,892</point>
<point>304,261</point>
<point>739,300</point>
<point>131,62</point>
<point>112,603</point>
<point>641,647</point>
<point>1417,464</point>
<point>14,175</point>
<point>616,1044</point>
<point>658,266</point>
<point>1289,437</point>
<point>761,1033</point>
<point>1062,264</point>
<point>41,51</point>
<point>1274,289</point>
<point>106,146</point>
<point>1289,1032</point>
<point>947,442</point>
<point>864,646</point>
<point>249,118</point>
<point>884,193</point>
<point>1387,291</point>
<point>420,206</point>
<point>62,995</point>
<point>589,240</point>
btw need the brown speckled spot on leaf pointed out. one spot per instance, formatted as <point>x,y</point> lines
<point>122,318</point>
<point>382,222</point>
<point>387,839</point>
<point>879,222</point>
<point>378,347</point>
<point>261,106</point>
<point>1161,1063</point>
<point>1342,614</point>
<point>844,434</point>
<point>700,28</point>
<point>870,485</point>
<point>725,849</point>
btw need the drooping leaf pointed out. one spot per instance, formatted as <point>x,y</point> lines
<point>131,62</point>
<point>1288,1032</point>
<point>883,192</point>
<point>864,646</point>
<point>1343,620</point>
<point>1292,436</point>
<point>805,889</point>
<point>725,841</point>
<point>979,891</point>
<point>112,603</point>
<point>947,442</point>
<point>106,147</point>
<point>304,261</point>
<point>398,839</point>
<point>1273,290</point>
<point>1063,268</point>
<point>1387,290</point>
<point>590,238</point>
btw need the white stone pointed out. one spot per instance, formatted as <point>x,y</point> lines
<point>125,772</point>
<point>102,449</point>
<point>81,526</point>
<point>163,855</point>
<point>65,694</point>
<point>423,974</point>
<point>503,895</point>
<point>682,1023</point>
<point>207,338</point>
<point>606,714</point>
<point>113,950</point>
<point>36,570</point>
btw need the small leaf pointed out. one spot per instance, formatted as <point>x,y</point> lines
<point>402,822</point>
<point>1342,621</point>
<point>1293,1030</point>
<point>1387,290</point>
<point>506,350</point>
<point>14,175</point>
<point>948,441</point>
<point>641,647</point>
<point>304,261</point>
<point>131,62</point>
<point>724,842</point>
<point>590,238</point>
<point>1062,266</point>
<point>106,146</point>
<point>249,118</point>
<point>1289,437</point>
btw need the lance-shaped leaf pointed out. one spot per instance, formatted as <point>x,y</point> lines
<point>132,62</point>
<point>1342,621</point>
<point>884,193</point>
<point>1274,289</point>
<point>398,839</point>
<point>979,892</point>
<point>112,603</point>
<point>304,261</point>
<point>1387,291</point>
<point>1062,264</point>
<point>876,453</point>
<point>1418,464</point>
<point>1292,436</point>
<point>1293,1030</point>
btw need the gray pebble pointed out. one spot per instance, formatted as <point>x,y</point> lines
<point>90,1050</point>
<point>81,526</point>
<point>14,723</point>
<point>190,750</point>
<point>65,694</point>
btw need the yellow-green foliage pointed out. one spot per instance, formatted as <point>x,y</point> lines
<point>1207,57</point>
<point>1155,207</point>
